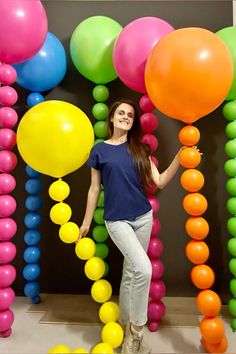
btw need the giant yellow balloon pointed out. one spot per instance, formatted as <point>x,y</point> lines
<point>55,138</point>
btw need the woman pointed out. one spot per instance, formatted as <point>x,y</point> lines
<point>123,165</point>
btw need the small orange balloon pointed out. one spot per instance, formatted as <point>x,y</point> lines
<point>212,330</point>
<point>189,157</point>
<point>195,204</point>
<point>208,303</point>
<point>192,180</point>
<point>189,135</point>
<point>197,252</point>
<point>202,276</point>
<point>197,227</point>
<point>216,348</point>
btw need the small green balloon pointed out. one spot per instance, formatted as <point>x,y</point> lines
<point>100,111</point>
<point>230,167</point>
<point>231,205</point>
<point>232,286</point>
<point>98,216</point>
<point>230,148</point>
<point>231,186</point>
<point>100,233</point>
<point>231,225</point>
<point>98,141</point>
<point>106,269</point>
<point>101,199</point>
<point>231,246</point>
<point>232,266</point>
<point>100,129</point>
<point>232,307</point>
<point>233,324</point>
<point>229,110</point>
<point>102,250</point>
<point>230,130</point>
<point>100,93</point>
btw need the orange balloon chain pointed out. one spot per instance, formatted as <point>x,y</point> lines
<point>195,204</point>
<point>101,290</point>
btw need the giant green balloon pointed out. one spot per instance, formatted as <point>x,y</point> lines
<point>228,35</point>
<point>91,48</point>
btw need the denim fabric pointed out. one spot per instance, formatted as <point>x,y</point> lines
<point>132,239</point>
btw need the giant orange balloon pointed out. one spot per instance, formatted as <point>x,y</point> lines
<point>189,73</point>
<point>212,330</point>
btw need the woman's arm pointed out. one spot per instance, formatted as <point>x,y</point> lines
<point>92,199</point>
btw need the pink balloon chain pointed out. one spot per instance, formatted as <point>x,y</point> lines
<point>156,308</point>
<point>8,228</point>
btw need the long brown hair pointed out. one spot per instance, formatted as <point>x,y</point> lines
<point>139,151</point>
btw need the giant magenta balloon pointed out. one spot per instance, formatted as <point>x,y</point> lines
<point>23,29</point>
<point>189,73</point>
<point>133,46</point>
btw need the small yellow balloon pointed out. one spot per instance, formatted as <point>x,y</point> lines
<point>85,248</point>
<point>69,232</point>
<point>109,312</point>
<point>59,349</point>
<point>94,268</point>
<point>60,213</point>
<point>80,351</point>
<point>59,190</point>
<point>113,334</point>
<point>55,138</point>
<point>101,290</point>
<point>102,348</point>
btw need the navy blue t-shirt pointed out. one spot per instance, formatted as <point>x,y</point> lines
<point>125,198</point>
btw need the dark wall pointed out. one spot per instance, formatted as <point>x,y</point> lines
<point>62,271</point>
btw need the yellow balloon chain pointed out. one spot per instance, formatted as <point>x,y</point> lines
<point>112,333</point>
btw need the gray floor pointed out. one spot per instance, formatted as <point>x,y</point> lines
<point>32,337</point>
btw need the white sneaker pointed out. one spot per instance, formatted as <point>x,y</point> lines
<point>133,342</point>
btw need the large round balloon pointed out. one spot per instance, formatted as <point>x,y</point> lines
<point>133,46</point>
<point>91,48</point>
<point>55,138</point>
<point>228,35</point>
<point>189,74</point>
<point>46,69</point>
<point>23,29</point>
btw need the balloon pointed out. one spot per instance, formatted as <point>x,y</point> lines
<point>231,246</point>
<point>150,140</point>
<point>100,233</point>
<point>109,312</point>
<point>212,330</point>
<point>157,268</point>
<point>102,348</point>
<point>157,289</point>
<point>101,290</point>
<point>32,220</point>
<point>231,205</point>
<point>34,98</point>
<point>230,167</point>
<point>7,296</point>
<point>59,349</point>
<point>59,190</point>
<point>32,237</point>
<point>192,180</point>
<point>79,351</point>
<point>189,157</point>
<point>85,248</point>
<point>8,96</point>
<point>23,29</point>
<point>189,135</point>
<point>154,202</point>
<point>91,47</point>
<point>231,225</point>
<point>6,320</point>
<point>31,289</point>
<point>31,272</point>
<point>69,232</point>
<point>7,183</point>
<point>46,69</point>
<point>195,204</point>
<point>232,286</point>
<point>231,186</point>
<point>208,303</point>
<point>98,216</point>
<point>30,172</point>
<point>33,202</point>
<point>100,111</point>
<point>156,226</point>
<point>7,252</point>
<point>94,268</point>
<point>197,228</point>
<point>229,110</point>
<point>155,247</point>
<point>153,326</point>
<point>149,122</point>
<point>7,205</point>
<point>156,310</point>
<point>33,186</point>
<point>202,276</point>
<point>7,74</point>
<point>197,251</point>
<point>207,68</point>
<point>100,129</point>
<point>7,275</point>
<point>7,138</point>
<point>8,117</point>
<point>230,149</point>
<point>133,46</point>
<point>113,334</point>
<point>8,229</point>
<point>32,254</point>
<point>8,161</point>
<point>220,347</point>
<point>60,213</point>
<point>146,104</point>
<point>101,200</point>
<point>101,251</point>
<point>230,130</point>
<point>232,266</point>
<point>100,93</point>
<point>55,138</point>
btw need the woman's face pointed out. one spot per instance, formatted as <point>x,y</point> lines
<point>123,117</point>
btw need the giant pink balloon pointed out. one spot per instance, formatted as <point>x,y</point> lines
<point>23,29</point>
<point>133,46</point>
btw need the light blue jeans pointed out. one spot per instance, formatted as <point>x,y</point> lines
<point>132,239</point>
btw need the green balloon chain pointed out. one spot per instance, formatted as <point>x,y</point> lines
<point>229,112</point>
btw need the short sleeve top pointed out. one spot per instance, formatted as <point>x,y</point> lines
<point>124,197</point>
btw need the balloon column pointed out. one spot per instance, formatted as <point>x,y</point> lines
<point>206,66</point>
<point>28,20</point>
<point>228,35</point>
<point>132,48</point>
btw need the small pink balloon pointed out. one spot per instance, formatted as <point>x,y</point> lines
<point>7,74</point>
<point>157,268</point>
<point>8,229</point>
<point>7,252</point>
<point>153,326</point>
<point>154,160</point>
<point>8,117</point>
<point>7,205</point>
<point>146,104</point>
<point>157,289</point>
<point>7,275</point>
<point>151,189</point>
<point>150,140</point>
<point>155,247</point>
<point>6,333</point>
<point>7,183</point>
<point>7,138</point>
<point>8,161</point>
<point>6,320</point>
<point>8,96</point>
<point>156,310</point>
<point>155,204</point>
<point>7,297</point>
<point>156,226</point>
<point>149,122</point>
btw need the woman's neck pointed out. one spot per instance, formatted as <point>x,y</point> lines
<point>118,138</point>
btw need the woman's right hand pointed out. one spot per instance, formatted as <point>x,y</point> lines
<point>84,229</point>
